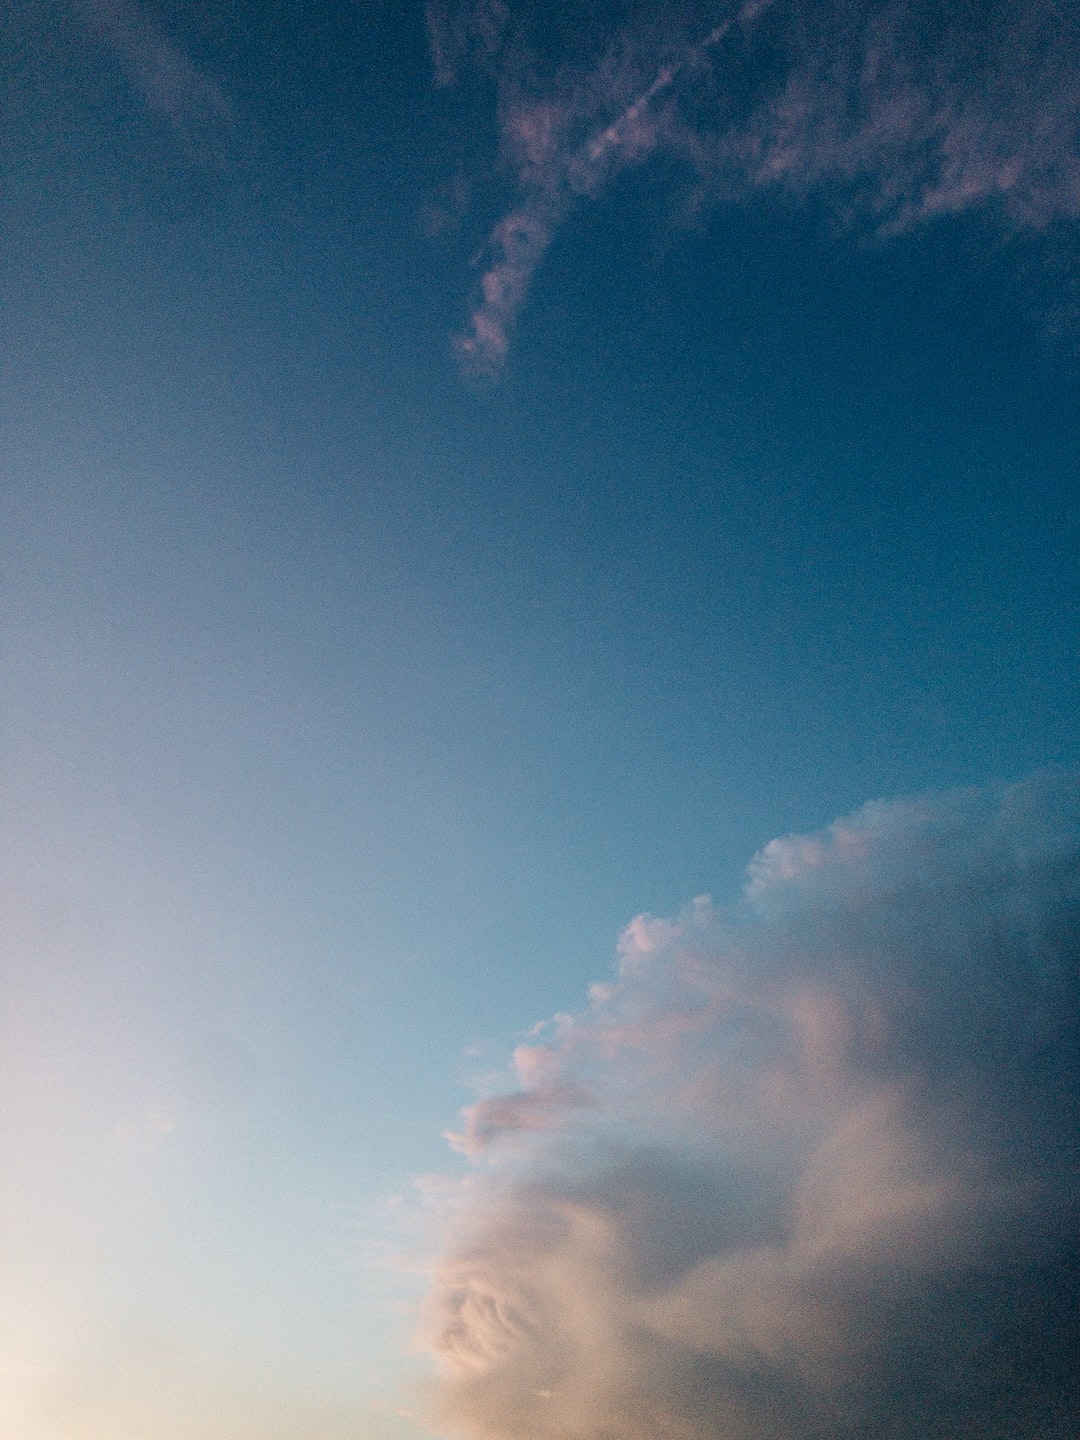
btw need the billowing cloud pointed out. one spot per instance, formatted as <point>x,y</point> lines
<point>825,1183</point>
<point>893,112</point>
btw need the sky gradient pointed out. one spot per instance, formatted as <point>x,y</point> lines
<point>473,475</point>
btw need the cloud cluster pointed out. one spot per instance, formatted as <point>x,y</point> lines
<point>806,1168</point>
<point>891,111</point>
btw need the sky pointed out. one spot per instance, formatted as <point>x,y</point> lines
<point>540,673</point>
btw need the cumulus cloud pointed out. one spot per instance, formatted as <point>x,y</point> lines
<point>891,111</point>
<point>825,1183</point>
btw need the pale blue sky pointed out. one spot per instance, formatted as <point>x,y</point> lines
<point>354,702</point>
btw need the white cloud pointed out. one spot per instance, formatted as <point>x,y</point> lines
<point>826,1182</point>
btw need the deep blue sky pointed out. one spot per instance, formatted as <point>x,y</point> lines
<point>353,702</point>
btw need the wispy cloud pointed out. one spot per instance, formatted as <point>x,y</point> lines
<point>894,113</point>
<point>168,80</point>
<point>826,1181</point>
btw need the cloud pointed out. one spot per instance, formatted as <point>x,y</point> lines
<point>826,1182</point>
<point>457,31</point>
<point>509,1114</point>
<point>169,82</point>
<point>892,113</point>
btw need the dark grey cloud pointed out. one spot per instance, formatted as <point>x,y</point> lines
<point>892,113</point>
<point>827,1182</point>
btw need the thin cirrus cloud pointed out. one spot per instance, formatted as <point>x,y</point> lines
<point>165,76</point>
<point>892,113</point>
<point>825,1181</point>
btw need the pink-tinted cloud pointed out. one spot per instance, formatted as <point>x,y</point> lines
<point>170,83</point>
<point>564,147</point>
<point>459,30</point>
<point>825,1181</point>
<point>892,113</point>
<point>522,1112</point>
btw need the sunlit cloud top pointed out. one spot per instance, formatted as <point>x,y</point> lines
<point>806,1167</point>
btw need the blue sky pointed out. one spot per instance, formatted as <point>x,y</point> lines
<point>472,477</point>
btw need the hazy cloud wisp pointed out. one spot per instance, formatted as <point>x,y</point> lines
<point>893,113</point>
<point>168,80</point>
